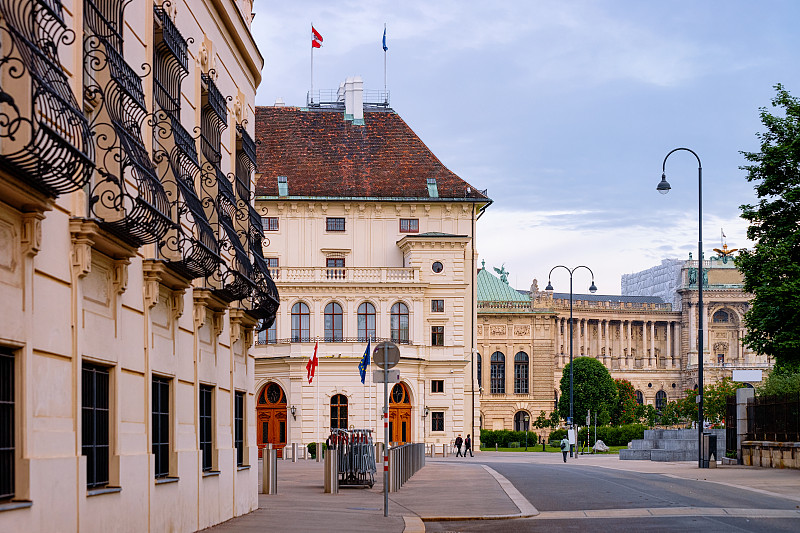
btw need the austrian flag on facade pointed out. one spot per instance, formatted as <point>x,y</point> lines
<point>316,38</point>
<point>311,366</point>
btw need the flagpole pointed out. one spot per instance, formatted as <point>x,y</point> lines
<point>311,92</point>
<point>384,59</point>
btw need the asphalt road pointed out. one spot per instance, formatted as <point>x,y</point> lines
<point>629,501</point>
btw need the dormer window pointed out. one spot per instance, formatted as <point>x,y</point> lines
<point>433,189</point>
<point>283,186</point>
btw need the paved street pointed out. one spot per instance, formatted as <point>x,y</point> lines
<point>511,492</point>
<point>595,494</point>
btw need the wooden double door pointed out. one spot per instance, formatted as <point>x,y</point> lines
<point>271,418</point>
<point>400,414</point>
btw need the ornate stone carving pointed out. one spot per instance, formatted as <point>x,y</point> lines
<point>522,331</point>
<point>480,330</point>
<point>119,275</point>
<point>31,238</point>
<point>497,330</point>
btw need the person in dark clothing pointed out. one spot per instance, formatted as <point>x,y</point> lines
<point>459,441</point>
<point>468,446</point>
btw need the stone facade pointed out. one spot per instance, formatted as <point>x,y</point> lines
<point>370,230</point>
<point>128,388</point>
<point>638,338</point>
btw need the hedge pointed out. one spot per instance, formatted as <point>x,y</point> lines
<point>504,438</point>
<point>611,435</point>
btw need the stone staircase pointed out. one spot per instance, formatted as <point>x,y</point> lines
<point>670,445</point>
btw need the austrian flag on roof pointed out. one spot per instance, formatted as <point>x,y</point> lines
<point>316,38</point>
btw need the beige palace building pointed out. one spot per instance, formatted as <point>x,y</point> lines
<point>647,336</point>
<point>369,236</point>
<point>131,270</point>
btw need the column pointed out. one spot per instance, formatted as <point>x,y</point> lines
<point>653,358</point>
<point>669,360</point>
<point>692,332</point>
<point>629,358</point>
<point>645,356</point>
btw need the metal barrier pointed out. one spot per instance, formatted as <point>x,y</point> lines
<point>356,456</point>
<point>404,462</point>
<point>269,475</point>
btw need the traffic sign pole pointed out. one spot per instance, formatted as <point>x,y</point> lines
<point>385,429</point>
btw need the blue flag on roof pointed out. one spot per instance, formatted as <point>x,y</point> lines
<point>385,48</point>
<point>362,366</point>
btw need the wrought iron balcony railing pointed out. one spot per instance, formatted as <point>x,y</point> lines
<point>104,19</point>
<point>170,65</point>
<point>248,145</point>
<point>184,141</point>
<point>214,98</point>
<point>237,277</point>
<point>44,137</point>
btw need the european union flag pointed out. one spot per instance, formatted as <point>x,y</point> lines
<point>362,366</point>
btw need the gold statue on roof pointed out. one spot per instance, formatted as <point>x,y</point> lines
<point>724,252</point>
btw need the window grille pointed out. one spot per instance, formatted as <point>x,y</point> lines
<point>238,427</point>
<point>95,424</point>
<point>160,429</point>
<point>206,421</point>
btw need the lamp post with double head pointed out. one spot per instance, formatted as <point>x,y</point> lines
<point>592,289</point>
<point>663,188</point>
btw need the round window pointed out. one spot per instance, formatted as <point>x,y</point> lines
<point>437,267</point>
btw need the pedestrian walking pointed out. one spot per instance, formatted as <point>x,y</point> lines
<point>459,441</point>
<point>468,446</point>
<point>564,447</point>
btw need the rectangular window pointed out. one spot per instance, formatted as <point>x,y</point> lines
<point>437,306</point>
<point>269,223</point>
<point>334,262</point>
<point>206,392</point>
<point>334,224</point>
<point>238,427</point>
<point>437,335</point>
<point>409,225</point>
<point>272,262</point>
<point>160,428</point>
<point>437,385</point>
<point>95,422</point>
<point>437,421</point>
<point>6,424</point>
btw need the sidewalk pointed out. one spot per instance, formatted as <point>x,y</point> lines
<point>436,493</point>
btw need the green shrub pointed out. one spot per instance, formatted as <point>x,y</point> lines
<point>612,435</point>
<point>312,449</point>
<point>504,438</point>
<point>557,434</point>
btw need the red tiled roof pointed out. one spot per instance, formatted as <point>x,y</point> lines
<point>324,155</point>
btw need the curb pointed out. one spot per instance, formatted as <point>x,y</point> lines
<point>526,508</point>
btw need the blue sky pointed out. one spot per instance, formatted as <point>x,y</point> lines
<point>564,111</point>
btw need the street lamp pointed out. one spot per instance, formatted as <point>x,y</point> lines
<point>592,289</point>
<point>663,188</point>
<point>526,418</point>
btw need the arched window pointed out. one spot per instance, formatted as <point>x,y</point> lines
<point>333,322</point>
<point>399,323</point>
<point>480,373</point>
<point>639,397</point>
<point>521,373</point>
<point>339,412</point>
<point>519,421</point>
<point>661,400</point>
<point>366,321</point>
<point>498,376</point>
<point>721,317</point>
<point>301,323</point>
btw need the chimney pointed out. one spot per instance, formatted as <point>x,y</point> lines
<point>354,99</point>
<point>279,102</point>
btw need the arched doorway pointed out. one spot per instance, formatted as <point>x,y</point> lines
<point>271,418</point>
<point>400,414</point>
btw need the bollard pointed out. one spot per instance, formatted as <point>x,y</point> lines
<point>331,473</point>
<point>319,452</point>
<point>269,477</point>
<point>294,452</point>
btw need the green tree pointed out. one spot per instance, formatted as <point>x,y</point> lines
<point>542,421</point>
<point>593,389</point>
<point>554,418</point>
<point>625,409</point>
<point>772,268</point>
<point>715,398</point>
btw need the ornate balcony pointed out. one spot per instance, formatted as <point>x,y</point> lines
<point>171,63</point>
<point>345,275</point>
<point>44,137</point>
